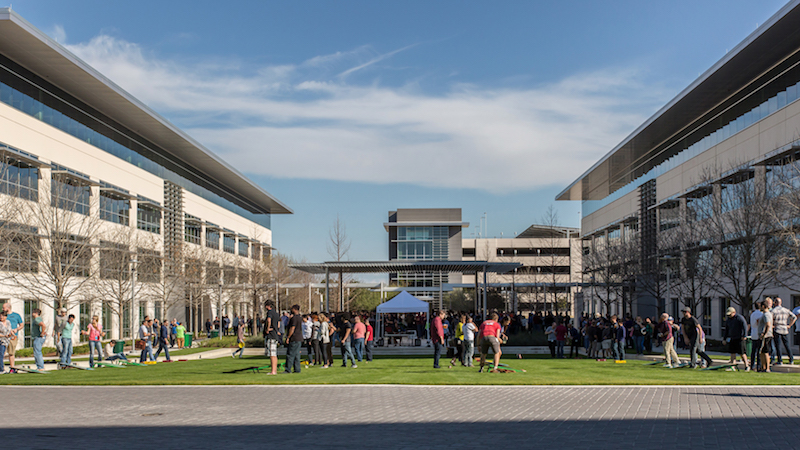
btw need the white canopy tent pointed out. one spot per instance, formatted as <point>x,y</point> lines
<point>400,304</point>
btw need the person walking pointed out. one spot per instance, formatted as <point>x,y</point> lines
<point>16,323</point>
<point>755,339</point>
<point>437,336</point>
<point>146,342</point>
<point>668,339</point>
<point>294,340</point>
<point>163,340</point>
<point>782,319</point>
<point>239,339</point>
<point>66,341</point>
<point>765,333</point>
<point>95,333</point>
<point>489,336</point>
<point>735,334</point>
<point>690,329</point>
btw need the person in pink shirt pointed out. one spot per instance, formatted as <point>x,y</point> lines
<point>370,339</point>
<point>437,336</point>
<point>359,334</point>
<point>95,333</point>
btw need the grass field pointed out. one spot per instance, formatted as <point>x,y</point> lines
<point>403,370</point>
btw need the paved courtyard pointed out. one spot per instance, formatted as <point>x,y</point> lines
<point>412,417</point>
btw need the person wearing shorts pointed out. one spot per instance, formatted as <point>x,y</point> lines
<point>489,336</point>
<point>271,335</point>
<point>16,323</point>
<point>735,334</point>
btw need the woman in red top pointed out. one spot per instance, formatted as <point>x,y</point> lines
<point>490,336</point>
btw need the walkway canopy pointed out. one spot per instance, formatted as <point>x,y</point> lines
<point>403,303</point>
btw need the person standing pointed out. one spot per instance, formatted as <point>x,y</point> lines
<point>5,338</point>
<point>163,340</point>
<point>690,328</point>
<point>308,331</point>
<point>437,336</point>
<point>765,333</point>
<point>561,338</point>
<point>144,337</point>
<point>239,339</point>
<point>619,339</point>
<point>180,335</point>
<point>315,324</point>
<point>39,334</point>
<point>173,330</point>
<point>469,330</point>
<point>209,326</point>
<point>668,339</point>
<point>326,330</point>
<point>359,335</point>
<point>489,336</point>
<point>575,336</point>
<point>294,340</point>
<point>16,323</point>
<point>95,333</point>
<point>346,338</point>
<point>782,319</point>
<point>66,341</point>
<point>58,328</point>
<point>735,334</point>
<point>550,332</point>
<point>370,340</point>
<point>271,335</point>
<point>755,339</point>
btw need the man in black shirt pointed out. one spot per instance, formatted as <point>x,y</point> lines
<point>735,334</point>
<point>294,340</point>
<point>346,335</point>
<point>271,335</point>
<point>690,328</point>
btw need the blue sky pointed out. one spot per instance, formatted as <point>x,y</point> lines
<point>355,108</point>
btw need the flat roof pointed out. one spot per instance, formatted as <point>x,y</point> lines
<point>758,53</point>
<point>470,267</point>
<point>29,47</point>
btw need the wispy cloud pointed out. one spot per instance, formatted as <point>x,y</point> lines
<point>298,121</point>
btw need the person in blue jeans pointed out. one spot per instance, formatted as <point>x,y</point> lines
<point>144,335</point>
<point>619,339</point>
<point>39,332</point>
<point>66,341</point>
<point>5,336</point>
<point>294,340</point>
<point>359,334</point>
<point>345,334</point>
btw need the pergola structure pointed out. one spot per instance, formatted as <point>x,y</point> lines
<point>463,267</point>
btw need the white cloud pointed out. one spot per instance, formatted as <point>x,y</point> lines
<point>304,121</point>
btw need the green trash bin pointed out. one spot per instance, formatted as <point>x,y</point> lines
<point>188,340</point>
<point>214,333</point>
<point>119,347</point>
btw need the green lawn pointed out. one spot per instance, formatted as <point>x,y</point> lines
<point>403,370</point>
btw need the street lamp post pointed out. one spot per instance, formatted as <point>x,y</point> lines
<point>221,324</point>
<point>133,300</point>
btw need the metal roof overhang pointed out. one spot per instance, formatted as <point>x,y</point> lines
<point>469,267</point>
<point>32,49</point>
<point>758,53</point>
<point>386,225</point>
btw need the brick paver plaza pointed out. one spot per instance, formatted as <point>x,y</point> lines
<point>412,417</point>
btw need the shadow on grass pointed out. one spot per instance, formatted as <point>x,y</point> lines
<point>568,434</point>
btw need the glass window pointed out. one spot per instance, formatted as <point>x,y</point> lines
<point>212,238</point>
<point>126,320</point>
<point>19,179</point>
<point>229,275</point>
<point>115,261</point>
<point>148,218</point>
<point>71,255</point>
<point>244,248</point>
<point>70,194</point>
<point>192,230</point>
<point>84,318</point>
<point>114,208</point>
<point>30,305</point>
<point>20,251</point>
<point>229,243</point>
<point>108,314</point>
<point>148,270</point>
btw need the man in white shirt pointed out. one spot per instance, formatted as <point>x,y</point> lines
<point>144,335</point>
<point>755,358</point>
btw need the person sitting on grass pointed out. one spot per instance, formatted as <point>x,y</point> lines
<point>110,355</point>
<point>489,336</point>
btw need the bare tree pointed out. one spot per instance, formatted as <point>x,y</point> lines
<point>338,248</point>
<point>57,241</point>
